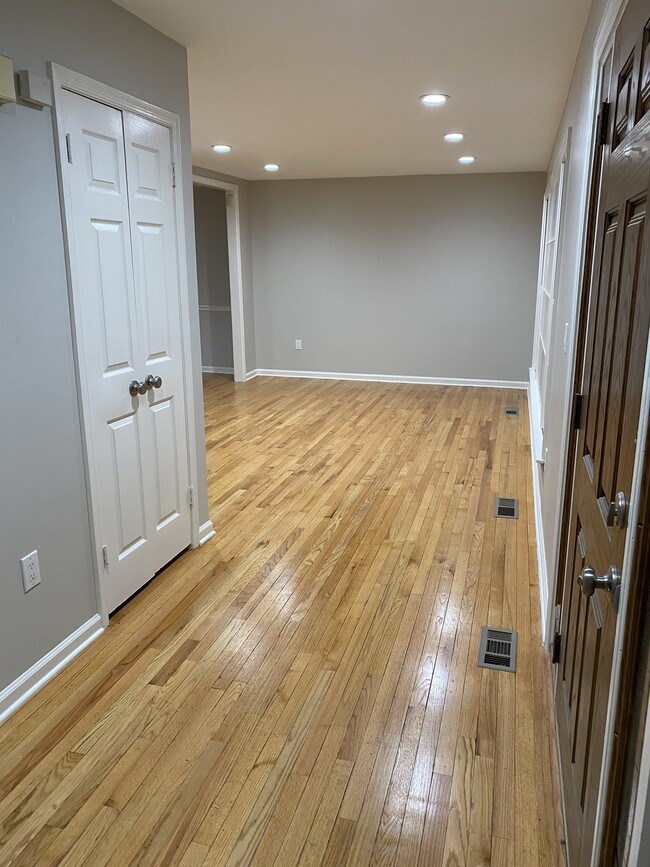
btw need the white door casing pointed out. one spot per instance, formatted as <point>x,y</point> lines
<point>233,229</point>
<point>123,261</point>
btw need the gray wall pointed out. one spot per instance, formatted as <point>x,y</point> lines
<point>43,501</point>
<point>212,267</point>
<point>417,276</point>
<point>246,264</point>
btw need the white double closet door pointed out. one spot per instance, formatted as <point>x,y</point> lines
<point>126,289</point>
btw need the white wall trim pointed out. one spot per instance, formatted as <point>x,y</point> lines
<point>609,22</point>
<point>389,377</point>
<point>66,79</point>
<point>225,370</point>
<point>233,222</point>
<point>536,437</point>
<point>24,687</point>
<point>206,532</point>
<point>251,374</point>
<point>537,469</point>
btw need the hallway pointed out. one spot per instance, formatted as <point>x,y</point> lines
<point>304,689</point>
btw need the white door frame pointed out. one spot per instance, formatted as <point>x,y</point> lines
<point>235,268</point>
<point>66,79</point>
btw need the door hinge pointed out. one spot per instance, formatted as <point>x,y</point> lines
<point>105,555</point>
<point>68,146</point>
<point>557,645</point>
<point>174,175</point>
<point>557,638</point>
<point>190,496</point>
<point>602,124</point>
<point>577,411</point>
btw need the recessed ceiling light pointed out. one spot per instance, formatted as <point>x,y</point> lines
<point>434,98</point>
<point>271,167</point>
<point>221,148</point>
<point>454,136</point>
<point>466,160</point>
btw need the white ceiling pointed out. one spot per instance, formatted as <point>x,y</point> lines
<point>330,88</point>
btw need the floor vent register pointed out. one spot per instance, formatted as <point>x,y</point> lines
<point>498,649</point>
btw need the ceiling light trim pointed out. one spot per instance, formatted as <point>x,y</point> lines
<point>434,99</point>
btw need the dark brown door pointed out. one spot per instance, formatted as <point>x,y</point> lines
<point>614,359</point>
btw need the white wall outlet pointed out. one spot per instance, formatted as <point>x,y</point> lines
<point>298,344</point>
<point>31,571</point>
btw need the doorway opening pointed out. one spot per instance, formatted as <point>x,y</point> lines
<point>218,258</point>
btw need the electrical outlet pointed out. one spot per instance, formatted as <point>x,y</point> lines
<point>31,571</point>
<point>298,344</point>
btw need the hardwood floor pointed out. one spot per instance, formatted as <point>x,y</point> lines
<point>303,690</point>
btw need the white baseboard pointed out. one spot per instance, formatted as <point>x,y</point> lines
<point>24,687</point>
<point>536,469</point>
<point>251,374</point>
<point>206,532</point>
<point>389,377</point>
<point>225,370</point>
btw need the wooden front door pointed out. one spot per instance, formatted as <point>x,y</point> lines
<point>613,366</point>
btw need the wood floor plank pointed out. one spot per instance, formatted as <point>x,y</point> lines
<point>480,821</point>
<point>303,689</point>
<point>460,805</point>
<point>436,809</point>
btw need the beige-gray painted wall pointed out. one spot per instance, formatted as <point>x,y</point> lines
<point>429,276</point>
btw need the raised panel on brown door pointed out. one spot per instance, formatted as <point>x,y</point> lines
<point>621,362</point>
<point>596,360</point>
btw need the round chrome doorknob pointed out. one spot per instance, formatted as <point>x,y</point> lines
<point>589,582</point>
<point>617,511</point>
<point>152,381</point>
<point>136,388</point>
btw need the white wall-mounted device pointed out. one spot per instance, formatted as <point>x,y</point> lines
<point>34,88</point>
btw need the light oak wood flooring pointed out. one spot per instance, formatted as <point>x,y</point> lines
<point>303,689</point>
